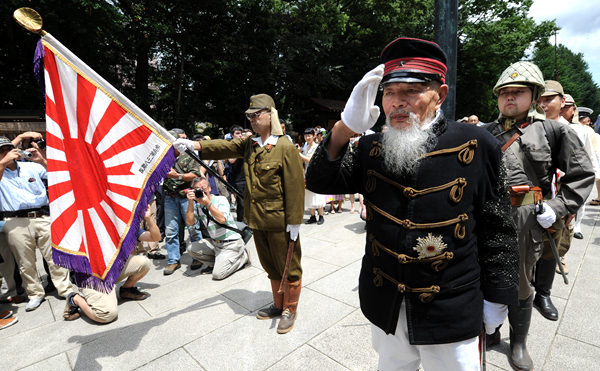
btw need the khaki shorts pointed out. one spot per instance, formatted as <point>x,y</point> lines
<point>104,305</point>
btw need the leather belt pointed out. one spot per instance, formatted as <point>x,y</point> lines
<point>525,195</point>
<point>27,213</point>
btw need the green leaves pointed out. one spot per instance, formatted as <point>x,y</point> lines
<point>573,73</point>
<point>186,62</point>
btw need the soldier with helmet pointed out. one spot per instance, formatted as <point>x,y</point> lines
<point>534,147</point>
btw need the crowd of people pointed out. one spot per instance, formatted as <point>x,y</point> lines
<point>467,225</point>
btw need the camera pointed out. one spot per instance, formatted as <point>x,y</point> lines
<point>198,193</point>
<point>41,143</point>
<point>24,154</point>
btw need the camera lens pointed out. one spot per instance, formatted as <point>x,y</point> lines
<point>199,193</point>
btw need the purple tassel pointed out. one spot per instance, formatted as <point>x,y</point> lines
<point>38,66</point>
<point>81,265</point>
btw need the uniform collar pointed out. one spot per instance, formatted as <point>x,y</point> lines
<point>270,140</point>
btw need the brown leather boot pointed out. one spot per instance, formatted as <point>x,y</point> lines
<point>290,304</point>
<point>276,308</point>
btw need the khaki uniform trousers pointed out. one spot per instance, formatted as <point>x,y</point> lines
<point>104,305</point>
<point>23,235</point>
<point>272,249</point>
<point>152,246</point>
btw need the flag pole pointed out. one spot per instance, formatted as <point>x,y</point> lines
<point>214,173</point>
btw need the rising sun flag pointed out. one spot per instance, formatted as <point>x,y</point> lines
<point>105,159</point>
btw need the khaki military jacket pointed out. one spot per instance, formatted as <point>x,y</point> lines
<point>274,193</point>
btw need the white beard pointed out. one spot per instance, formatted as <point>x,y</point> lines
<point>404,148</point>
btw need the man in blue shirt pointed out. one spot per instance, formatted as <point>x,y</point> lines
<point>25,211</point>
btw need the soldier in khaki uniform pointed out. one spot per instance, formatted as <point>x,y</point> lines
<point>534,148</point>
<point>273,199</point>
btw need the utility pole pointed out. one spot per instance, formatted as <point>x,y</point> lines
<point>446,27</point>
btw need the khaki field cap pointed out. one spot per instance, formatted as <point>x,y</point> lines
<point>522,74</point>
<point>4,141</point>
<point>263,101</point>
<point>260,102</point>
<point>569,101</point>
<point>553,88</point>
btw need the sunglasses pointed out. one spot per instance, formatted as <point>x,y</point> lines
<point>255,115</point>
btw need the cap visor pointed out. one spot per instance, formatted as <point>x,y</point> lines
<point>255,109</point>
<point>403,79</point>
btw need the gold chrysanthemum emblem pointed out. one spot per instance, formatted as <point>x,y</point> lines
<point>514,74</point>
<point>429,246</point>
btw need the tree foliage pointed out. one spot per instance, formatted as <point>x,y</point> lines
<point>492,36</point>
<point>573,73</point>
<point>190,62</point>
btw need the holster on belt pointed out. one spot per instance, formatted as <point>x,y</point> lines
<point>525,195</point>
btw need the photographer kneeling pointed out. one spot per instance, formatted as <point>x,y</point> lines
<point>224,251</point>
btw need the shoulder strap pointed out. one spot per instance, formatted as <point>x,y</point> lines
<point>205,211</point>
<point>511,140</point>
<point>515,148</point>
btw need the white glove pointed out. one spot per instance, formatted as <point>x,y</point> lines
<point>181,145</point>
<point>494,315</point>
<point>361,113</point>
<point>293,229</point>
<point>547,218</point>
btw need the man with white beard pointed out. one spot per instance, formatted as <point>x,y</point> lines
<point>441,257</point>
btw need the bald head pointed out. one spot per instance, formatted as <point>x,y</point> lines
<point>473,120</point>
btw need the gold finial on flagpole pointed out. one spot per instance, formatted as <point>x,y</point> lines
<point>30,20</point>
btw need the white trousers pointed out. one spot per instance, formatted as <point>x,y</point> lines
<point>397,354</point>
<point>578,218</point>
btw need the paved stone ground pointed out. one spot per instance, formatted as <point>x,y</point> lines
<point>191,322</point>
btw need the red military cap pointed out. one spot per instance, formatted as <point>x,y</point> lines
<point>413,60</point>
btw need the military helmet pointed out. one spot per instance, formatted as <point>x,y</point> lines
<point>524,74</point>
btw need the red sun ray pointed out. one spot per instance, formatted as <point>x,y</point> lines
<point>111,116</point>
<point>59,115</point>
<point>54,141</point>
<point>57,165</point>
<point>93,245</point>
<point>59,189</point>
<point>85,97</point>
<point>123,169</point>
<point>61,225</point>
<point>129,192</point>
<point>122,213</point>
<point>134,138</point>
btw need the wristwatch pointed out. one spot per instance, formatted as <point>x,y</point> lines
<point>180,176</point>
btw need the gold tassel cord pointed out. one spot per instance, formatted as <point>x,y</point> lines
<point>459,231</point>
<point>427,293</point>
<point>466,152</point>
<point>375,149</point>
<point>457,186</point>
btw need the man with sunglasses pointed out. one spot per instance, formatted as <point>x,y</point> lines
<point>273,200</point>
<point>224,251</point>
